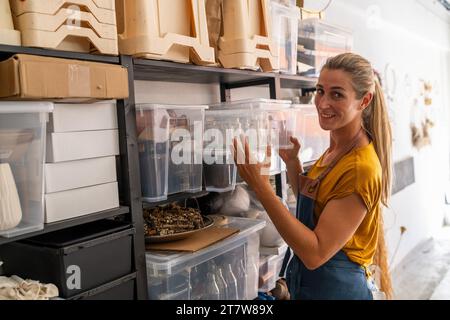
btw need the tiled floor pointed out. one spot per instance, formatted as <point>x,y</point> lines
<point>425,273</point>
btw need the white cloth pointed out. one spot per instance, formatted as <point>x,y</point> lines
<point>16,288</point>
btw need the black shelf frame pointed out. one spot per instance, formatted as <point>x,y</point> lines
<point>55,226</point>
<point>7,51</point>
<point>165,71</point>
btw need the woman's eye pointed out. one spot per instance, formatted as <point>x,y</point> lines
<point>320,92</point>
<point>337,95</point>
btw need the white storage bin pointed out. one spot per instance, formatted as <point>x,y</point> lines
<point>195,276</point>
<point>171,149</point>
<point>312,137</point>
<point>70,175</point>
<point>321,40</point>
<point>285,21</point>
<point>80,202</point>
<point>70,146</point>
<point>83,117</point>
<point>268,118</point>
<point>22,152</point>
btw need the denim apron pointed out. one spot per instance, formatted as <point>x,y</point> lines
<point>337,279</point>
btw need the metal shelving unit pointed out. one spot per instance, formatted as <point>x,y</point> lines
<point>50,227</point>
<point>128,171</point>
<point>7,51</point>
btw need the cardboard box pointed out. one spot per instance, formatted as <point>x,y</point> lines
<point>72,146</point>
<point>34,77</point>
<point>79,202</point>
<point>83,117</point>
<point>79,174</point>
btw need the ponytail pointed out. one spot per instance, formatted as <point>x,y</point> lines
<point>376,122</point>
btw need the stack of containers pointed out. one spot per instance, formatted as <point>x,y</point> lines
<point>227,270</point>
<point>173,30</point>
<point>75,25</point>
<point>270,268</point>
<point>7,33</point>
<point>22,151</point>
<point>170,149</point>
<point>285,19</point>
<point>247,36</point>
<point>313,138</point>
<point>80,173</point>
<point>320,40</point>
<point>265,122</point>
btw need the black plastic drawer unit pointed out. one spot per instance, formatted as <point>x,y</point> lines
<point>77,259</point>
<point>120,289</point>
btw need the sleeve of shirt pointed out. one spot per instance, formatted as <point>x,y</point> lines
<point>358,179</point>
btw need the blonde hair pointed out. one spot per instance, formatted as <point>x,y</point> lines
<point>375,121</point>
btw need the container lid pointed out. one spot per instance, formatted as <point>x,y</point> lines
<point>172,263</point>
<point>303,106</point>
<point>67,237</point>
<point>264,104</point>
<point>25,107</point>
<point>154,106</point>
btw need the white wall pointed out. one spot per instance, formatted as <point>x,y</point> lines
<point>415,42</point>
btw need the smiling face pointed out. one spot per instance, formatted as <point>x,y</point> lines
<point>336,100</point>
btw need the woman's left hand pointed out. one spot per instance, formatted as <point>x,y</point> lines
<point>254,173</point>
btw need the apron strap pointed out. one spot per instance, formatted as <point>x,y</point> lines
<point>310,187</point>
<point>338,158</point>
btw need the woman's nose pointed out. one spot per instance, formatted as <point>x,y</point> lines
<point>322,102</point>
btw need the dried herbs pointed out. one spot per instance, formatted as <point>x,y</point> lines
<point>161,221</point>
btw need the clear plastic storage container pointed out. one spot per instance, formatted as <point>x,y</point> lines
<point>267,276</point>
<point>171,149</point>
<point>269,270</point>
<point>22,150</point>
<point>153,140</point>
<point>227,270</point>
<point>313,138</point>
<point>269,121</point>
<point>321,40</point>
<point>220,171</point>
<point>285,21</point>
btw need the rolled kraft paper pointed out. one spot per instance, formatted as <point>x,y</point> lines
<point>6,21</point>
<point>10,210</point>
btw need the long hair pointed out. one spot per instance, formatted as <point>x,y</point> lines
<point>375,121</point>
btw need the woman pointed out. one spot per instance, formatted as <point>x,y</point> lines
<point>338,226</point>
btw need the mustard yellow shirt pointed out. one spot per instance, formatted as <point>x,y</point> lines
<point>358,172</point>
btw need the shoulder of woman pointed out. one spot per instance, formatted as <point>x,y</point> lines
<point>361,164</point>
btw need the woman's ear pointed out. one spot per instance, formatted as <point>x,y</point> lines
<point>366,100</point>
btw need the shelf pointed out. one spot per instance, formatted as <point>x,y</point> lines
<point>7,51</point>
<point>70,223</point>
<point>155,70</point>
<point>296,82</point>
<point>174,198</point>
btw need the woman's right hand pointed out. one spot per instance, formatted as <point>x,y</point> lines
<point>290,156</point>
